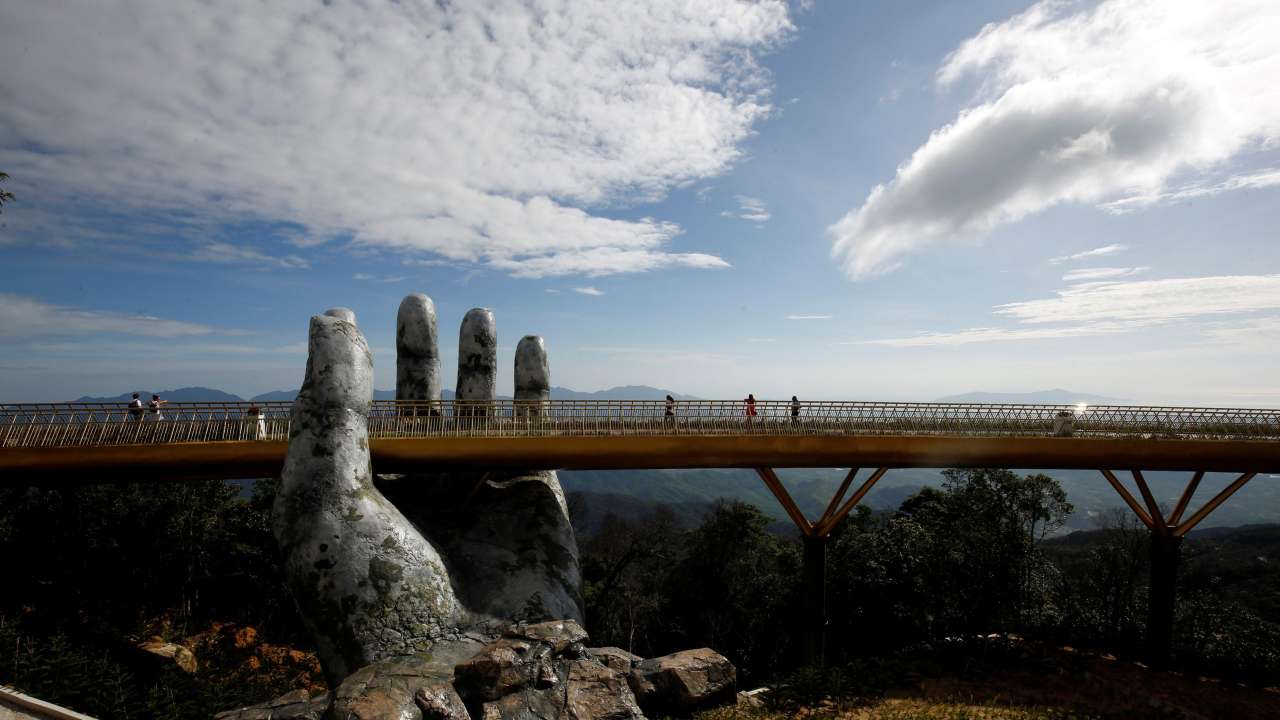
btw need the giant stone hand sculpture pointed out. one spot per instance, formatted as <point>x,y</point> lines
<point>383,575</point>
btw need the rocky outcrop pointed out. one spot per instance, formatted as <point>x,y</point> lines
<point>615,658</point>
<point>368,584</point>
<point>538,671</point>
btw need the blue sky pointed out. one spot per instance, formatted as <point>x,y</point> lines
<point>831,199</point>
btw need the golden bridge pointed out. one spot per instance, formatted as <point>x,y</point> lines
<point>110,442</point>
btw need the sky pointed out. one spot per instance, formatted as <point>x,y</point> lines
<point>838,200</point>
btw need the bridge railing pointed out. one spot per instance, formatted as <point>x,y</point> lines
<point>78,424</point>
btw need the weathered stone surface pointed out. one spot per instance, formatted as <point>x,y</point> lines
<point>390,688</point>
<point>596,692</point>
<point>684,682</point>
<point>559,634</point>
<point>295,705</point>
<point>477,361</point>
<point>511,551</point>
<point>439,701</point>
<point>342,314</point>
<point>533,377</point>
<point>501,668</point>
<point>615,658</point>
<point>417,359</point>
<point>368,584</point>
<point>181,656</point>
<point>542,671</point>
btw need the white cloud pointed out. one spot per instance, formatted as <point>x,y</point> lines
<point>603,261</point>
<point>1248,181</point>
<point>26,317</point>
<point>1104,308</point>
<point>1151,301</point>
<point>750,208</point>
<point>588,291</point>
<point>366,277</point>
<point>981,335</point>
<point>479,132</point>
<point>1077,106</point>
<point>1102,273</point>
<point>1091,253</point>
<point>809,317</point>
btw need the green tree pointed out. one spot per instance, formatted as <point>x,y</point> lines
<point>736,589</point>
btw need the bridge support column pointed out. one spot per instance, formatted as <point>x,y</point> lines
<point>1166,552</point>
<point>1166,556</point>
<point>813,621</point>
<point>814,582</point>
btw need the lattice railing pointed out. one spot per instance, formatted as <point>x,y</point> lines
<point>72,424</point>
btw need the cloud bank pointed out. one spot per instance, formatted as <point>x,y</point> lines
<point>1104,308</point>
<point>1091,106</point>
<point>23,317</point>
<point>489,132</point>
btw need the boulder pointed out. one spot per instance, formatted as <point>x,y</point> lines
<point>439,701</point>
<point>615,658</point>
<point>597,692</point>
<point>559,634</point>
<point>684,682</point>
<point>391,688</point>
<point>501,668</point>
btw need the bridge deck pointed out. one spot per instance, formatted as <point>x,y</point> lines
<point>246,439</point>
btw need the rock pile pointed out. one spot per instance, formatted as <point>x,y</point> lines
<point>543,671</point>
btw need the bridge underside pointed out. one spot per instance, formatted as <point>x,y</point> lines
<point>247,459</point>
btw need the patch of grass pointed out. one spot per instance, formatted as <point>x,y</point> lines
<point>898,709</point>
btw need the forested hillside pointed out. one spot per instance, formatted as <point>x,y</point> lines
<point>100,578</point>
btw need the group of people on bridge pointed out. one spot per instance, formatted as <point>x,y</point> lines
<point>749,408</point>
<point>136,411</point>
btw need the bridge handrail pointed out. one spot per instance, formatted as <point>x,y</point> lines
<point>78,424</point>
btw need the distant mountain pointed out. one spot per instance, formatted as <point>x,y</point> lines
<point>627,392</point>
<point>624,392</point>
<point>186,394</point>
<point>1056,396</point>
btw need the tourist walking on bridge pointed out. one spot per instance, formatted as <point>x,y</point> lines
<point>154,405</point>
<point>669,411</point>
<point>135,408</point>
<point>795,410</point>
<point>751,406</point>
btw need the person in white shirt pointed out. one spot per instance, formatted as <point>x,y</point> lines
<point>135,408</point>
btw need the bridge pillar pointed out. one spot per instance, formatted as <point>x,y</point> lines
<point>814,586</point>
<point>1166,556</point>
